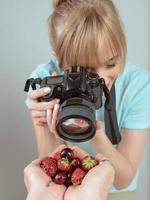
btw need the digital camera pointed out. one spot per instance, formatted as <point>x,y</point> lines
<point>80,93</point>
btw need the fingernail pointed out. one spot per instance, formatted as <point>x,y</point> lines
<point>47,89</point>
<point>57,100</point>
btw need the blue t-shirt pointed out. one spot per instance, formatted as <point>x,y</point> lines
<point>132,102</point>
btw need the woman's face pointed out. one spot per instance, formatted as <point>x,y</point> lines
<point>109,70</point>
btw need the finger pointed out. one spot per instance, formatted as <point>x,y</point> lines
<point>40,124</point>
<point>107,165</point>
<point>41,106</point>
<point>49,118</point>
<point>99,127</point>
<point>52,128</point>
<point>35,94</point>
<point>78,152</point>
<point>107,173</point>
<point>58,149</point>
<point>40,120</point>
<point>54,74</point>
<point>54,119</point>
<point>100,157</point>
<point>55,113</point>
<point>37,114</point>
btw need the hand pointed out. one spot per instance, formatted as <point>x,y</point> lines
<point>39,109</point>
<point>39,185</point>
<point>95,184</point>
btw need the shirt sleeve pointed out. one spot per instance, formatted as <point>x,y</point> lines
<point>138,115</point>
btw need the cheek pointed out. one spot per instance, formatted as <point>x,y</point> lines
<point>109,75</point>
<point>112,74</point>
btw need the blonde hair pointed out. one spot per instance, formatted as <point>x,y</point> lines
<point>82,31</point>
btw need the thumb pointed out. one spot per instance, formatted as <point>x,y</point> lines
<point>98,125</point>
<point>55,74</point>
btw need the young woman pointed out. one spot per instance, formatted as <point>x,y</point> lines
<point>89,33</point>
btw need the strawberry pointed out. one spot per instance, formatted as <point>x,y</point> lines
<point>57,156</point>
<point>49,165</point>
<point>63,164</point>
<point>88,163</point>
<point>60,178</point>
<point>77,176</point>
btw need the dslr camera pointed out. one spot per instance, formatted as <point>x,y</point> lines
<point>80,93</point>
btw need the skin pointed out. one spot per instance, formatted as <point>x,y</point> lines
<point>99,180</point>
<point>125,157</point>
<point>39,185</point>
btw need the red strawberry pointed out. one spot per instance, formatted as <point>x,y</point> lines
<point>77,176</point>
<point>63,164</point>
<point>49,165</point>
<point>57,156</point>
<point>60,178</point>
<point>88,163</point>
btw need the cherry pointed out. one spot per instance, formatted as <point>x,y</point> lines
<point>75,162</point>
<point>67,152</point>
<point>68,181</point>
<point>60,178</point>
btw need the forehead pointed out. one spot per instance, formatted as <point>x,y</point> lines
<point>91,53</point>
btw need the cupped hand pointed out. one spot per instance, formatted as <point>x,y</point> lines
<point>39,185</point>
<point>96,182</point>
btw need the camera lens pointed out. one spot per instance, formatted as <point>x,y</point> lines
<point>76,120</point>
<point>75,125</point>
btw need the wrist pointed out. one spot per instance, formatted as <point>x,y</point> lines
<point>37,193</point>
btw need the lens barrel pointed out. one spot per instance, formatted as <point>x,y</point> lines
<point>76,120</point>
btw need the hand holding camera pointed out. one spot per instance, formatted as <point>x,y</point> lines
<point>80,93</point>
<point>41,112</point>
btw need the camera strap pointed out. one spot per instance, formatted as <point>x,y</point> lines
<point>110,118</point>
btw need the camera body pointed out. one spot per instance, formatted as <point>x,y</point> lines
<point>80,93</point>
<point>76,82</point>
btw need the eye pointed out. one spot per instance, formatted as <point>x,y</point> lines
<point>90,69</point>
<point>111,65</point>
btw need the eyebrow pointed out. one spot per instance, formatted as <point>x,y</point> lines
<point>110,59</point>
